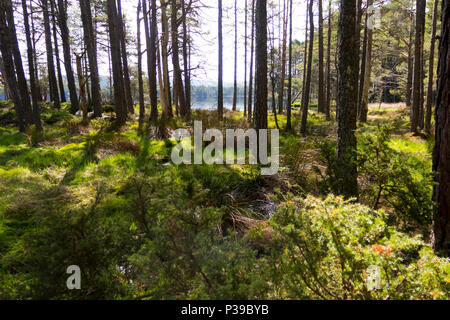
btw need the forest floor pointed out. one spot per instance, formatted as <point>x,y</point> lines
<point>76,167</point>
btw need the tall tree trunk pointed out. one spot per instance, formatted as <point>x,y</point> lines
<point>250,86</point>
<point>53,84</point>
<point>187,80</point>
<point>151,63</point>
<point>260,115</point>
<point>362,70</point>
<point>245,58</point>
<point>8,65</point>
<point>347,99</point>
<point>305,58</point>
<point>364,108</point>
<point>58,63</point>
<point>21,80</point>
<point>62,19</point>
<point>415,110</point>
<point>235,57</point>
<point>328,77</point>
<point>31,66</point>
<point>410,61</point>
<point>321,94</point>
<point>178,82</point>
<point>431,70</point>
<point>90,41</point>
<point>220,83</point>
<point>441,156</point>
<point>283,62</point>
<point>116,62</point>
<point>140,80</point>
<point>308,72</point>
<point>126,73</point>
<point>164,56</point>
<point>289,94</point>
<point>34,41</point>
<point>82,85</point>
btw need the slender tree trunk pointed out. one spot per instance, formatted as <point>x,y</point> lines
<point>347,99</point>
<point>250,86</point>
<point>34,41</point>
<point>441,156</point>
<point>90,41</point>
<point>283,62</point>
<point>82,85</point>
<point>126,73</point>
<point>62,19</point>
<point>431,70</point>
<point>410,61</point>
<point>21,80</point>
<point>151,63</point>
<point>306,93</point>
<point>187,80</point>
<point>235,56</point>
<point>245,58</point>
<point>31,66</point>
<point>58,63</point>
<point>364,108</point>
<point>260,116</point>
<point>289,94</point>
<point>8,65</point>
<point>116,61</point>
<point>220,83</point>
<point>165,65</point>
<point>305,59</point>
<point>178,82</point>
<point>140,80</point>
<point>362,70</point>
<point>321,94</point>
<point>53,84</point>
<point>162,86</point>
<point>415,110</point>
<point>328,78</point>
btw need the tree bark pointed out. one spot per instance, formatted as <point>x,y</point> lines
<point>116,62</point>
<point>58,63</point>
<point>53,84</point>
<point>429,102</point>
<point>321,94</point>
<point>305,58</point>
<point>89,39</point>
<point>235,57</point>
<point>187,79</point>
<point>415,110</point>
<point>260,116</point>
<point>441,156</point>
<point>220,81</point>
<point>328,78</point>
<point>347,99</point>
<point>250,85</point>
<point>245,58</point>
<point>31,69</point>
<point>410,62</point>
<point>307,89</point>
<point>289,93</point>
<point>8,65</point>
<point>62,20</point>
<point>140,80</point>
<point>283,62</point>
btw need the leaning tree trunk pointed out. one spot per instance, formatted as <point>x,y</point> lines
<point>21,80</point>
<point>441,157</point>
<point>8,64</point>
<point>89,39</point>
<point>62,11</point>
<point>347,99</point>
<point>260,114</point>
<point>428,107</point>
